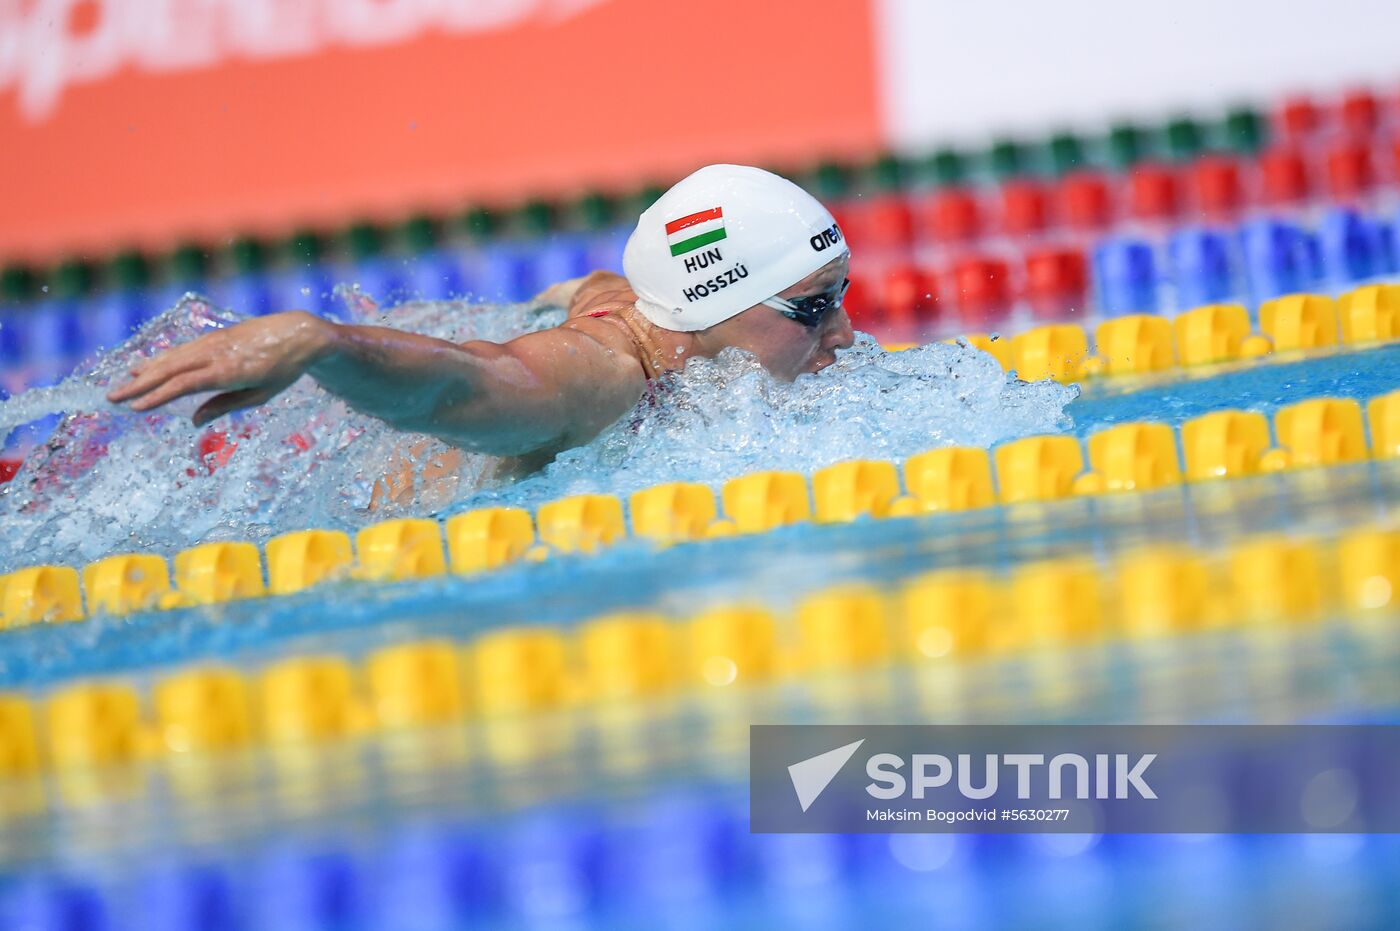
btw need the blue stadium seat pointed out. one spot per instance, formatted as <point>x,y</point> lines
<point>605,248</point>
<point>14,348</point>
<point>168,295</point>
<point>1203,269</point>
<point>251,293</point>
<point>113,315</point>
<point>1353,245</point>
<point>1125,276</point>
<point>307,286</point>
<point>385,278</point>
<point>1280,258</point>
<point>58,339</point>
<point>436,275</point>
<point>560,258</point>
<point>504,273</point>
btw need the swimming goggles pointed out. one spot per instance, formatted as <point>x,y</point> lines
<point>809,310</point>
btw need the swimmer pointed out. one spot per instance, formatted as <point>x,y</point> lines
<point>730,256</point>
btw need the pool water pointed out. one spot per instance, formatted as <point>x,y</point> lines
<point>428,832</point>
<point>718,419</point>
<point>109,481</point>
<point>1175,397</point>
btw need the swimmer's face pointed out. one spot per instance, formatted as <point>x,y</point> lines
<point>785,347</point>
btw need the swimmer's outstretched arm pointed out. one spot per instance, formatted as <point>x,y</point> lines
<point>541,392</point>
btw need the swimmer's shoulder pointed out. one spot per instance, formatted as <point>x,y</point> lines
<point>598,300</point>
<point>601,319</point>
<point>601,314</point>
<point>566,293</point>
<point>610,315</point>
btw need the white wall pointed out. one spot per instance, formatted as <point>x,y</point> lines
<point>960,70</point>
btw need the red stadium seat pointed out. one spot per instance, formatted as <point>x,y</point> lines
<point>1084,201</point>
<point>1025,208</point>
<point>953,216</point>
<point>1350,170</point>
<point>1218,189</point>
<point>1298,117</point>
<point>884,222</point>
<point>1283,176</point>
<point>1153,193</point>
<point>1360,113</point>
<point>889,222</point>
<point>981,290</point>
<point>909,297</point>
<point>1057,281</point>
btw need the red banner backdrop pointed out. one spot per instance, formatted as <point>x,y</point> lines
<point>139,121</point>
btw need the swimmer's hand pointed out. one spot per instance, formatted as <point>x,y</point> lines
<point>248,364</point>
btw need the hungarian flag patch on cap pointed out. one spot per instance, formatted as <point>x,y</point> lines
<point>695,231</point>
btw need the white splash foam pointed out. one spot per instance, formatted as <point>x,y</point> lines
<point>727,416</point>
<point>110,481</point>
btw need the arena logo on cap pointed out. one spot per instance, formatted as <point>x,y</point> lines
<point>826,238</point>
<point>695,231</point>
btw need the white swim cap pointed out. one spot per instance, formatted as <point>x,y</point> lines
<point>722,240</point>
